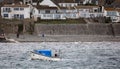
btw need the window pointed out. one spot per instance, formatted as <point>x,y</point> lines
<point>6,10</point>
<point>84,15</point>
<point>111,13</point>
<point>74,15</point>
<point>62,5</point>
<point>44,15</point>
<point>49,15</point>
<point>68,5</point>
<point>95,9</point>
<point>57,16</point>
<point>21,8</point>
<point>5,15</point>
<point>16,16</point>
<point>39,11</point>
<point>16,8</point>
<point>90,10</point>
<point>47,11</point>
<point>21,16</point>
<point>26,2</point>
<point>114,19</point>
<point>29,2</point>
<point>91,15</point>
<point>56,11</point>
<point>80,9</point>
<point>87,10</point>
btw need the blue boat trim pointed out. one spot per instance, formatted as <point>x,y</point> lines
<point>44,52</point>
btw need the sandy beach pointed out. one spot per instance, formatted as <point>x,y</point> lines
<point>63,38</point>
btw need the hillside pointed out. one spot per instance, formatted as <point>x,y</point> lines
<point>116,3</point>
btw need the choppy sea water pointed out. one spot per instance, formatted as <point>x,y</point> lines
<point>75,55</point>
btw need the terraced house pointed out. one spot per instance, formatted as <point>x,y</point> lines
<point>90,11</point>
<point>113,13</point>
<point>50,9</point>
<point>47,9</point>
<point>46,12</point>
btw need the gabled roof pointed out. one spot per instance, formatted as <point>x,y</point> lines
<point>48,3</point>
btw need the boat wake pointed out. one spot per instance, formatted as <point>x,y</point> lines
<point>71,59</point>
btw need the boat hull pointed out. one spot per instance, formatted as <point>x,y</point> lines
<point>35,56</point>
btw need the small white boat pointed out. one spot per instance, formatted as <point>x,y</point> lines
<point>37,56</point>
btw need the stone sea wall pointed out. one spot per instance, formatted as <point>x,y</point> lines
<point>78,29</point>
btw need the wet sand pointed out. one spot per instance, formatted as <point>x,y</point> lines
<point>64,38</point>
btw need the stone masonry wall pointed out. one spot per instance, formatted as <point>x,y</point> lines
<point>77,29</point>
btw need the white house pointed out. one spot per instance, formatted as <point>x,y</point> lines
<point>90,11</point>
<point>69,13</point>
<point>113,13</point>
<point>15,11</point>
<point>49,10</point>
<point>46,12</point>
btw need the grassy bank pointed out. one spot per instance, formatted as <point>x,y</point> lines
<point>68,21</point>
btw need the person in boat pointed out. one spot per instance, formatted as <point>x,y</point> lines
<point>56,55</point>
